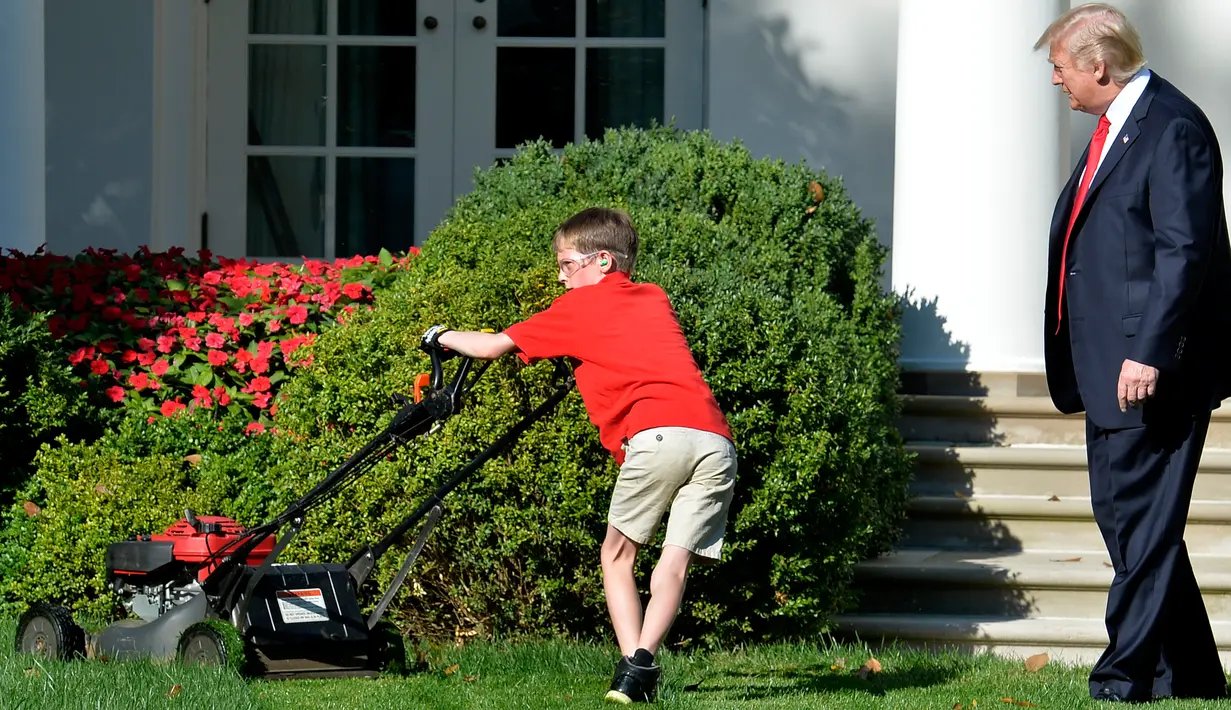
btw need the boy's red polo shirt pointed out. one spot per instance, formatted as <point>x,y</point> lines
<point>636,371</point>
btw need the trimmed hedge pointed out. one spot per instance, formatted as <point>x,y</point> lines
<point>775,277</point>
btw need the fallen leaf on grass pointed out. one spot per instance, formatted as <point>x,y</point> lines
<point>452,669</point>
<point>869,667</point>
<point>1037,661</point>
<point>31,671</point>
<point>957,706</point>
<point>103,490</point>
<point>193,459</point>
<point>471,678</point>
<point>31,509</point>
<point>838,665</point>
<point>174,691</point>
<point>1022,703</point>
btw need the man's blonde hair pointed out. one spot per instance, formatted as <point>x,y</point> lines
<point>1098,32</point>
<point>601,229</point>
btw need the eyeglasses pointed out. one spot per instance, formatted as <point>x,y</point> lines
<point>568,267</point>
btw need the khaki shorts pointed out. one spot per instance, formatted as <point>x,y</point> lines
<point>690,471</point>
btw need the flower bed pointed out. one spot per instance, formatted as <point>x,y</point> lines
<point>162,332</point>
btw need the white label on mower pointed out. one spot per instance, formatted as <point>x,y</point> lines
<point>301,606</point>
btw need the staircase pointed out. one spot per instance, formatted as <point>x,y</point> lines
<point>1000,551</point>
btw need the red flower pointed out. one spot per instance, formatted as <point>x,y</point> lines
<point>146,359</point>
<point>139,381</point>
<point>58,326</point>
<point>213,278</point>
<point>116,393</point>
<point>160,368</point>
<point>193,343</point>
<point>81,355</point>
<point>195,316</point>
<point>100,367</point>
<point>353,290</point>
<point>217,358</point>
<point>170,407</point>
<point>215,340</point>
<point>129,356</point>
<point>297,315</point>
<point>259,384</point>
<point>166,343</point>
<point>106,346</point>
<point>146,344</point>
<point>220,393</point>
<point>255,427</point>
<point>133,272</point>
<point>262,400</point>
<point>245,319</point>
<point>111,313</point>
<point>274,326</point>
<point>260,365</point>
<point>200,396</point>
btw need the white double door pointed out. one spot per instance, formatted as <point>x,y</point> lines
<point>338,127</point>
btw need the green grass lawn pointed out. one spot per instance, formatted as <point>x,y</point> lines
<point>564,675</point>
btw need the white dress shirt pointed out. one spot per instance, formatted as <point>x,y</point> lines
<point>1119,111</point>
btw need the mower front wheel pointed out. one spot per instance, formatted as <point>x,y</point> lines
<point>49,631</point>
<point>212,642</point>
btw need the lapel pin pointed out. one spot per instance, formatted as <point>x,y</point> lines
<point>1125,139</point>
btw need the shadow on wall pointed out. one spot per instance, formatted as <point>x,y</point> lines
<point>790,82</point>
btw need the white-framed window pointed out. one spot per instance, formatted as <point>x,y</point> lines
<point>338,127</point>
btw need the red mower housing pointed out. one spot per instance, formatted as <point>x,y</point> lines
<point>191,543</point>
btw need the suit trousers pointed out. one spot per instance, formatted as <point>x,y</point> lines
<point>1141,483</point>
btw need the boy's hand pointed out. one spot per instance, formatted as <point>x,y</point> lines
<point>431,337</point>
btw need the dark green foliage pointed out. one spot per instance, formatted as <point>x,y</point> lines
<point>39,397</point>
<point>778,290</point>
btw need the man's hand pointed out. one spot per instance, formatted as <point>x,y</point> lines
<point>1137,383</point>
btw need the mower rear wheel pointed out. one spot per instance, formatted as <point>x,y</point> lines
<point>49,631</point>
<point>388,654</point>
<point>212,642</point>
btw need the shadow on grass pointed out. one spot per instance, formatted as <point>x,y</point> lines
<point>816,679</point>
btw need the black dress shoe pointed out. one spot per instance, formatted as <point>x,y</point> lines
<point>1109,695</point>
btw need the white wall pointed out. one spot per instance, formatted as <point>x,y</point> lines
<point>817,79</point>
<point>99,92</point>
<point>811,79</point>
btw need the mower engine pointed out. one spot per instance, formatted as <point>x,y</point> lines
<point>153,573</point>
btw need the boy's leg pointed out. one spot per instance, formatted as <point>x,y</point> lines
<point>623,603</point>
<point>666,593</point>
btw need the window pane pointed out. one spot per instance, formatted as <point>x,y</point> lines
<point>626,18</point>
<point>376,96</point>
<point>286,17</point>
<point>535,18</point>
<point>376,17</point>
<point>286,94</point>
<point>286,197</point>
<point>624,87</point>
<point>534,95</point>
<point>376,205</point>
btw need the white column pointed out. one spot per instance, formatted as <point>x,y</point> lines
<point>23,174</point>
<point>980,145</point>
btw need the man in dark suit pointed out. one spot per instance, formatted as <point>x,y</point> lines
<point>1137,317</point>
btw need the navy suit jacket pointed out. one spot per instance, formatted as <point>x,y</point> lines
<point>1149,269</point>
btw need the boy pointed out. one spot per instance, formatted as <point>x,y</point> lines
<point>654,413</point>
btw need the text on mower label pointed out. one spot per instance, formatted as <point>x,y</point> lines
<point>299,606</point>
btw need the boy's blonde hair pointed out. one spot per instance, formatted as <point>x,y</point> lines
<point>600,229</point>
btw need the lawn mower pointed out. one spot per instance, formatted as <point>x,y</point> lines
<point>209,591</point>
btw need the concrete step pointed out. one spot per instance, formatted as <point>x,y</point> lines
<point>1039,523</point>
<point>1045,470</point>
<point>1064,639</point>
<point>1006,419</point>
<point>1013,585</point>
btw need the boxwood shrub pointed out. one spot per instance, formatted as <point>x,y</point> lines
<point>775,277</point>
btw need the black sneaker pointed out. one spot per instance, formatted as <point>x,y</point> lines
<point>633,683</point>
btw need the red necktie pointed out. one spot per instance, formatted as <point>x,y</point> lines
<point>1092,161</point>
